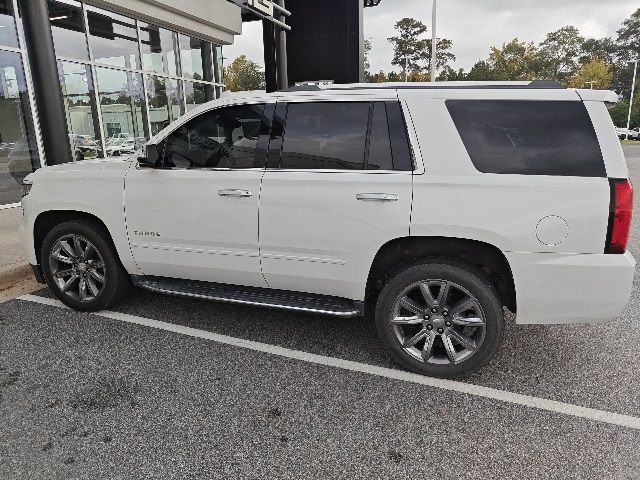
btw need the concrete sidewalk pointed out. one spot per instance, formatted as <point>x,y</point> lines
<point>15,274</point>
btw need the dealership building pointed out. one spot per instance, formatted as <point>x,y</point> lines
<point>89,79</point>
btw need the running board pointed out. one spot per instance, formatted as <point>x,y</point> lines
<point>261,297</point>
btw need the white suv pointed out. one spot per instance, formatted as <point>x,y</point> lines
<point>429,207</point>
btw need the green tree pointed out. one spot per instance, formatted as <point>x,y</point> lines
<point>516,60</point>
<point>448,74</point>
<point>367,65</point>
<point>412,50</point>
<point>595,71</point>
<point>603,48</point>
<point>243,74</point>
<point>379,77</point>
<point>559,53</point>
<point>480,72</point>
<point>629,34</point>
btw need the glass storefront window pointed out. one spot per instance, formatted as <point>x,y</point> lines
<point>219,64</point>
<point>78,96</point>
<point>18,150</point>
<point>67,26</point>
<point>197,58</point>
<point>197,93</point>
<point>121,102</point>
<point>113,38</point>
<point>8,35</point>
<point>158,49</point>
<point>164,101</point>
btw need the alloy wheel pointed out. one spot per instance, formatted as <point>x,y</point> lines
<point>438,322</point>
<point>77,268</point>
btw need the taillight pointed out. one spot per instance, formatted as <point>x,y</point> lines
<point>619,216</point>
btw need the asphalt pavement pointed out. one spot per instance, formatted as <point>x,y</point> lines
<point>84,396</point>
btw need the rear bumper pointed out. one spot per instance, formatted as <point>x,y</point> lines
<point>556,288</point>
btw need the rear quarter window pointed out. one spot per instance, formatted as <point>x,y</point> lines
<point>528,137</point>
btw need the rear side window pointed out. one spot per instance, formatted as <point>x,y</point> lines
<point>342,136</point>
<point>528,137</point>
<point>325,136</point>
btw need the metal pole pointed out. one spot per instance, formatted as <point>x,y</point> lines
<point>46,87</point>
<point>281,49</point>
<point>268,39</point>
<point>633,86</point>
<point>434,48</point>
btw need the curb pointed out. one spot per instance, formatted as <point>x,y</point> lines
<point>13,274</point>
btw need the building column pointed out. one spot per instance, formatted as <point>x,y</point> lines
<point>281,49</point>
<point>268,39</point>
<point>46,85</point>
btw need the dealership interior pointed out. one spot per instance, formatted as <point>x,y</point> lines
<point>122,79</point>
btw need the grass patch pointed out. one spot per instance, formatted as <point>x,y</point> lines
<point>630,142</point>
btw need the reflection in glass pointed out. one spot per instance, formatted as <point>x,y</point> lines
<point>8,36</point>
<point>18,150</point>
<point>113,38</point>
<point>197,58</point>
<point>158,49</point>
<point>67,26</point>
<point>121,101</point>
<point>219,64</point>
<point>164,102</point>
<point>197,93</point>
<point>80,109</point>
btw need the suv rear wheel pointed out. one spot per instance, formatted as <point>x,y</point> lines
<point>81,266</point>
<point>440,318</point>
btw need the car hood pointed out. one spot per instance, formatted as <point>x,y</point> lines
<point>84,167</point>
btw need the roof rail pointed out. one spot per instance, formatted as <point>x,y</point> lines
<point>534,84</point>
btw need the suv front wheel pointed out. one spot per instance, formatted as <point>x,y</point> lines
<point>440,318</point>
<point>81,266</point>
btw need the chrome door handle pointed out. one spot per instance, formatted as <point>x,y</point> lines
<point>234,193</point>
<point>377,197</point>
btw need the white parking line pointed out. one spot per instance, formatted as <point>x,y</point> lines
<point>460,387</point>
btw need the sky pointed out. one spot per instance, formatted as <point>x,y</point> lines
<point>473,26</point>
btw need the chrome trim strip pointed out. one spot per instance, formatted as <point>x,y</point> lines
<point>152,288</point>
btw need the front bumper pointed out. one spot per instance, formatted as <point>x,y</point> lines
<point>556,288</point>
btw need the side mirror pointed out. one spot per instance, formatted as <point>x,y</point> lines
<point>150,157</point>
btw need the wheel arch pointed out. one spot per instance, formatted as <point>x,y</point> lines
<point>47,220</point>
<point>404,251</point>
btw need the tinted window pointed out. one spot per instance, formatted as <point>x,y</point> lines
<point>528,137</point>
<point>67,27</point>
<point>223,138</point>
<point>8,35</point>
<point>325,135</point>
<point>113,38</point>
<point>379,144</point>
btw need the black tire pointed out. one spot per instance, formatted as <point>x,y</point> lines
<point>117,282</point>
<point>471,280</point>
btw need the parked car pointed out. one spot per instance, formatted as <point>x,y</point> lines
<point>84,147</point>
<point>122,147</point>
<point>634,134</point>
<point>430,208</point>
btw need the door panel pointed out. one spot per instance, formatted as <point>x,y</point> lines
<point>337,198</point>
<point>197,217</point>
<point>179,226</point>
<point>316,236</point>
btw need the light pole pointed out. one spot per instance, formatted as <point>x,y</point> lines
<point>406,68</point>
<point>433,42</point>
<point>633,86</point>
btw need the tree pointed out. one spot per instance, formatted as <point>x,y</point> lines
<point>629,34</point>
<point>516,60</point>
<point>444,55</point>
<point>408,46</point>
<point>379,77</point>
<point>595,71</point>
<point>367,65</point>
<point>603,48</point>
<point>481,71</point>
<point>411,50</point>
<point>243,74</point>
<point>448,74</point>
<point>559,53</point>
